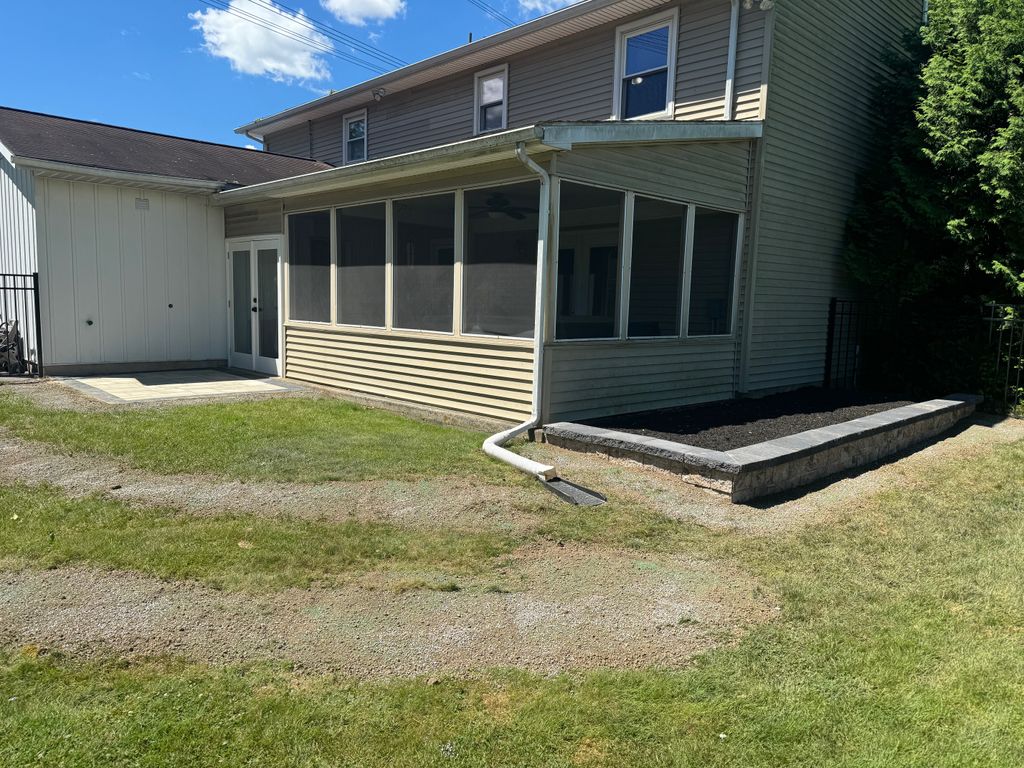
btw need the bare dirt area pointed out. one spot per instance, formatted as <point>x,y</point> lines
<point>441,502</point>
<point>833,499</point>
<point>558,609</point>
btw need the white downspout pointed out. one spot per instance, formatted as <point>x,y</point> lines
<point>730,74</point>
<point>494,445</point>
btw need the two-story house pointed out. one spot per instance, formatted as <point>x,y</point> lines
<point>620,206</point>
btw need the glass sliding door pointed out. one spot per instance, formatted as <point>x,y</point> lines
<point>254,297</point>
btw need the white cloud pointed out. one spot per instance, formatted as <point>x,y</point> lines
<point>530,7</point>
<point>253,49</point>
<point>359,12</point>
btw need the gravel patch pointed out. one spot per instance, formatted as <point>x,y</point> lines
<point>735,424</point>
<point>666,493</point>
<point>557,609</point>
<point>435,503</point>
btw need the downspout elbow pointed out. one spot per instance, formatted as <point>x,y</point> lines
<point>494,446</point>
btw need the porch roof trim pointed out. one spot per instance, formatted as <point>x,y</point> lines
<point>538,139</point>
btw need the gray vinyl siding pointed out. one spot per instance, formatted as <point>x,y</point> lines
<point>250,219</point>
<point>591,379</point>
<point>294,141</point>
<point>572,80</point>
<point>713,174</point>
<point>18,252</point>
<point>826,60</point>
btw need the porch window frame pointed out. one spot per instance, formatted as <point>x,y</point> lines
<point>626,265</point>
<point>479,104</point>
<point>335,271</point>
<point>347,120</point>
<point>623,34</point>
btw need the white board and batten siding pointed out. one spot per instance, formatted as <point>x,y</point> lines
<point>18,254</point>
<point>130,275</point>
<point>481,377</point>
<point>597,378</point>
<point>826,61</point>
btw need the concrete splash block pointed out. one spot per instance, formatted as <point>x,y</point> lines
<point>779,465</point>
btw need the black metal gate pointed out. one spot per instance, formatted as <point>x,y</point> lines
<point>21,338</point>
<point>1006,336</point>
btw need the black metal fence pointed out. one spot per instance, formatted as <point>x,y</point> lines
<point>1005,325</point>
<point>927,349</point>
<point>21,339</point>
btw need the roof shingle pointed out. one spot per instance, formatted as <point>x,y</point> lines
<point>97,145</point>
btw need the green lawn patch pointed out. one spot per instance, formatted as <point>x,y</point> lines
<point>294,439</point>
<point>42,528</point>
<point>900,643</point>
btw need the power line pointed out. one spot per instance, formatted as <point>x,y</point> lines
<point>224,5</point>
<point>335,34</point>
<point>494,13</point>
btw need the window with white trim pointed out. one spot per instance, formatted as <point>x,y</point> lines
<point>355,137</point>
<point>491,100</point>
<point>645,68</point>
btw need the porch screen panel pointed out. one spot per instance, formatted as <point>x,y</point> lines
<point>309,266</point>
<point>713,276</point>
<point>656,275</point>
<point>589,238</point>
<point>424,270</point>
<point>500,264</point>
<point>362,255</point>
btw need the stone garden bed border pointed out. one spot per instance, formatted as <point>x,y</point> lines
<point>778,465</point>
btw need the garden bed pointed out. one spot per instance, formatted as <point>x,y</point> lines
<point>733,424</point>
<point>778,464</point>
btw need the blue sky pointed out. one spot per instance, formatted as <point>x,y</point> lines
<point>182,67</point>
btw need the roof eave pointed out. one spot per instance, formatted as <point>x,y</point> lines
<point>567,14</point>
<point>550,137</point>
<point>86,172</point>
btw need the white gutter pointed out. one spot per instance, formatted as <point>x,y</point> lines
<point>123,177</point>
<point>730,75</point>
<point>494,445</point>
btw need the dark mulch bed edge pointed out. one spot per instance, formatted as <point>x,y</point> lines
<point>731,424</point>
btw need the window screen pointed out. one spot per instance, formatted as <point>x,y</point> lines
<point>362,254</point>
<point>656,274</point>
<point>714,271</point>
<point>490,100</point>
<point>355,139</point>
<point>645,74</point>
<point>500,264</point>
<point>309,266</point>
<point>589,235</point>
<point>424,271</point>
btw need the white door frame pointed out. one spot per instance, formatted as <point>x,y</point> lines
<point>253,361</point>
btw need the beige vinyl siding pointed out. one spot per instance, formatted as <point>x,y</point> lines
<point>17,220</point>
<point>573,79</point>
<point>825,62</point>
<point>712,173</point>
<point>601,379</point>
<point>249,219</point>
<point>481,377</point>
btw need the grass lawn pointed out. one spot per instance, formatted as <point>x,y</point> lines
<point>48,530</point>
<point>296,439</point>
<point>900,643</point>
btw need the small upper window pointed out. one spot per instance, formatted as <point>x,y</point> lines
<point>645,80</point>
<point>491,104</point>
<point>355,138</point>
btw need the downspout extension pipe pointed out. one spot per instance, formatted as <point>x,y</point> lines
<point>494,446</point>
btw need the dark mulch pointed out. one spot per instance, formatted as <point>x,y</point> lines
<point>731,424</point>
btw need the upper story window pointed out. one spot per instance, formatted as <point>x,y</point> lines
<point>645,68</point>
<point>355,137</point>
<point>491,102</point>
